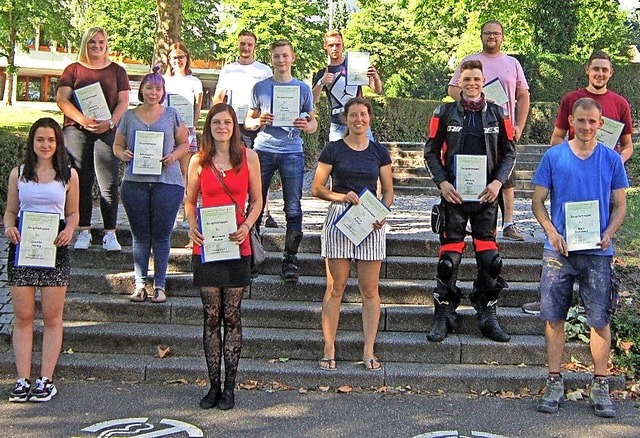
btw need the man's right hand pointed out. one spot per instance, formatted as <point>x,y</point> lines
<point>327,78</point>
<point>558,243</point>
<point>449,193</point>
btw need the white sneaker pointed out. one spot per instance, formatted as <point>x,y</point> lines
<point>110,242</point>
<point>83,240</point>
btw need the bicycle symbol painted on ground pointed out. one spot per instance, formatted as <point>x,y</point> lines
<point>142,428</point>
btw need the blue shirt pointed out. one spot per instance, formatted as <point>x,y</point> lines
<point>572,179</point>
<point>278,140</point>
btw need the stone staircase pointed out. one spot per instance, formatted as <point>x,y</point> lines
<point>108,337</point>
<point>410,176</point>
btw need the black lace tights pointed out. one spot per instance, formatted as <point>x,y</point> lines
<point>222,304</point>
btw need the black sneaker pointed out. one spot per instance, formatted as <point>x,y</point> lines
<point>43,390</point>
<point>21,392</point>
<point>270,222</point>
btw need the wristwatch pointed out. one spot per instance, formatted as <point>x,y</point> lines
<point>111,125</point>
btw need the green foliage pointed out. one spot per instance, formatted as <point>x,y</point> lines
<point>298,21</point>
<point>542,116</point>
<point>11,153</point>
<point>575,327</point>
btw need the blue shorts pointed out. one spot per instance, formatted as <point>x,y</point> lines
<point>593,274</point>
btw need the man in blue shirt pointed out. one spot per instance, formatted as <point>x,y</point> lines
<point>280,147</point>
<point>577,171</point>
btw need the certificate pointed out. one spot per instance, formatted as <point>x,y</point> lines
<point>610,132</point>
<point>92,102</point>
<point>38,231</point>
<point>285,105</point>
<point>183,106</point>
<point>494,92</point>
<point>358,64</point>
<point>356,222</point>
<point>471,176</point>
<point>216,223</point>
<point>240,104</point>
<point>147,153</point>
<point>582,225</point>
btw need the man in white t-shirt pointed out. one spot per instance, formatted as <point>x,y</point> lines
<point>508,71</point>
<point>234,87</point>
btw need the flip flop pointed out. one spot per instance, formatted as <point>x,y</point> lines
<point>327,364</point>
<point>158,296</point>
<point>139,295</point>
<point>372,364</point>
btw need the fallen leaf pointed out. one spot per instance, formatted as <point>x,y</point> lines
<point>249,384</point>
<point>575,395</point>
<point>90,379</point>
<point>626,345</point>
<point>345,389</point>
<point>508,395</point>
<point>177,382</point>
<point>323,388</point>
<point>68,351</point>
<point>201,382</point>
<point>303,391</point>
<point>163,351</point>
<point>381,389</point>
<point>521,365</point>
<point>525,392</point>
<point>441,391</point>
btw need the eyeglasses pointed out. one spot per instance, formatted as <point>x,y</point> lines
<point>179,57</point>
<point>495,34</point>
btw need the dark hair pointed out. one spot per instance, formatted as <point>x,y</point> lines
<point>357,101</point>
<point>282,43</point>
<point>249,34</point>
<point>60,158</point>
<point>154,78</point>
<point>471,65</point>
<point>492,22</point>
<point>599,54</point>
<point>208,147</point>
<point>183,48</point>
<point>586,103</point>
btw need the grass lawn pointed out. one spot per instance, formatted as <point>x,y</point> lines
<point>18,119</point>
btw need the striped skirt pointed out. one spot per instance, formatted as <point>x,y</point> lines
<point>335,245</point>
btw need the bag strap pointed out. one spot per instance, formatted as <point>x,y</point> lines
<point>226,189</point>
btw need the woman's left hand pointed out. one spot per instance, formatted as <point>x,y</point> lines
<point>168,159</point>
<point>63,238</point>
<point>241,234</point>
<point>379,224</point>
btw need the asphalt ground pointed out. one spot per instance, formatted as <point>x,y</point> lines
<point>155,410</point>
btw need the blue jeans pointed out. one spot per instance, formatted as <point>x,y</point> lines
<point>291,169</point>
<point>337,132</point>
<point>92,157</point>
<point>151,209</point>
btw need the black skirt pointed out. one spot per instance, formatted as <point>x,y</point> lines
<point>225,273</point>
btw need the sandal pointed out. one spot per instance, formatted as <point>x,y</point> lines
<point>158,296</point>
<point>139,295</point>
<point>327,364</point>
<point>372,364</point>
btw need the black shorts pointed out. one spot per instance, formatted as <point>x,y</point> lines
<point>226,273</point>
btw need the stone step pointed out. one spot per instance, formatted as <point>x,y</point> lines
<point>305,373</point>
<point>311,289</point>
<point>427,181</point>
<point>403,163</point>
<point>433,191</point>
<point>283,314</point>
<point>307,344</point>
<point>402,147</point>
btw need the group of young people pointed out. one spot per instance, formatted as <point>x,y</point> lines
<point>240,152</point>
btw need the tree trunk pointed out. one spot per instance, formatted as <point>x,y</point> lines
<point>168,30</point>
<point>11,68</point>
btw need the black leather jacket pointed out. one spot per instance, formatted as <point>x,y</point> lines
<point>446,137</point>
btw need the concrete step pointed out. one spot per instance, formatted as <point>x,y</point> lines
<point>307,344</point>
<point>427,181</point>
<point>433,191</point>
<point>309,288</point>
<point>419,146</point>
<point>305,373</point>
<point>283,314</point>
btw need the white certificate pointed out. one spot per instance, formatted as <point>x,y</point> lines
<point>240,104</point>
<point>610,132</point>
<point>358,64</point>
<point>285,105</point>
<point>494,92</point>
<point>356,222</point>
<point>183,106</point>
<point>471,176</point>
<point>38,231</point>
<point>147,153</point>
<point>92,102</point>
<point>582,221</point>
<point>216,223</point>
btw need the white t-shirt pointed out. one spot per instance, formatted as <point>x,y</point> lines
<point>188,87</point>
<point>237,80</point>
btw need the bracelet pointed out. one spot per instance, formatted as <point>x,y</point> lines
<point>245,224</point>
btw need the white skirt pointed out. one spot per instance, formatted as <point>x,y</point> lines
<point>335,245</point>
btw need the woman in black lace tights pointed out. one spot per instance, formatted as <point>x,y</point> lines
<point>223,161</point>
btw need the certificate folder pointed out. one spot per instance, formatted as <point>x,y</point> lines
<point>92,102</point>
<point>215,224</point>
<point>356,222</point>
<point>38,231</point>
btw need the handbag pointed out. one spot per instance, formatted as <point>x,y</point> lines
<point>258,253</point>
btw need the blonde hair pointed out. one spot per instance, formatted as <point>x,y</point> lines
<point>88,34</point>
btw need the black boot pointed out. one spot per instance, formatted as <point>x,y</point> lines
<point>486,304</point>
<point>227,401</point>
<point>211,399</point>
<point>445,318</point>
<point>292,241</point>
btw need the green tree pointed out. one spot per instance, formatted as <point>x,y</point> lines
<point>340,14</point>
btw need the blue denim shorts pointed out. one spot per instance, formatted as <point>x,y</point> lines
<point>593,274</point>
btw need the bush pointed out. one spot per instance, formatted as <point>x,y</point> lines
<point>11,154</point>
